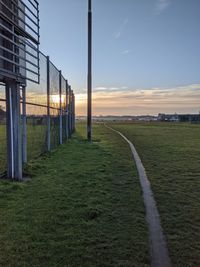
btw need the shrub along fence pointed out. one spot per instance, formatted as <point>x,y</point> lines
<point>47,116</point>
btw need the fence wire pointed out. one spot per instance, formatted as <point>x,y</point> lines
<point>36,125</point>
<point>44,118</point>
<point>3,142</point>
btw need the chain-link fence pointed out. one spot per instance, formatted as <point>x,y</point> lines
<point>3,145</point>
<point>46,109</point>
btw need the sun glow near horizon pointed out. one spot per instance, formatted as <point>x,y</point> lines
<point>56,99</point>
<point>182,99</point>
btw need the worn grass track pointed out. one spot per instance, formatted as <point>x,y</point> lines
<point>81,207</point>
<point>171,155</point>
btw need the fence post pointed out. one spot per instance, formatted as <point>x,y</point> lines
<point>14,144</point>
<point>60,113</point>
<point>71,110</point>
<point>24,127</point>
<point>67,117</point>
<point>48,108</point>
<point>74,113</point>
<point>70,122</point>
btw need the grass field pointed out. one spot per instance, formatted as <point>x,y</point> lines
<point>81,207</point>
<point>83,204</point>
<point>36,142</point>
<point>171,156</point>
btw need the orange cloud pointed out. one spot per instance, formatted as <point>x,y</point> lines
<point>183,99</point>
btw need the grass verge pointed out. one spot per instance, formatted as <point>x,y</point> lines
<point>81,207</point>
<point>171,155</point>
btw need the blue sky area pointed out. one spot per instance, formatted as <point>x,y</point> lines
<point>146,53</point>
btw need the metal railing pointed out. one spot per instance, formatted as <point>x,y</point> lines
<point>19,40</point>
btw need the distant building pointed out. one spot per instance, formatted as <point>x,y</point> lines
<point>194,118</point>
<point>147,118</point>
<point>113,118</point>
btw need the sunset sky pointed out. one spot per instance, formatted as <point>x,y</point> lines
<point>146,53</point>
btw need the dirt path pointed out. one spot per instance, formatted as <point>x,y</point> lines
<point>158,246</point>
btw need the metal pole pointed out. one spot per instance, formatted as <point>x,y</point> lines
<point>48,108</point>
<point>72,113</point>
<point>74,116</point>
<point>89,117</point>
<point>60,117</point>
<point>69,116</point>
<point>24,133</point>
<point>67,110</point>
<point>9,132</point>
<point>14,144</point>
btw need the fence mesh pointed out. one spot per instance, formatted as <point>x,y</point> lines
<point>54,122</point>
<point>43,114</point>
<point>63,102</point>
<point>3,142</point>
<point>37,93</point>
<point>36,123</point>
<point>54,86</point>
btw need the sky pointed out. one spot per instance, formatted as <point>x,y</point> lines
<point>146,53</point>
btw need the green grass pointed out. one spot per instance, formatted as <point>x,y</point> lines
<point>82,207</point>
<point>171,156</point>
<point>36,142</point>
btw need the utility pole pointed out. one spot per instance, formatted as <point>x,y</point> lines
<point>89,79</point>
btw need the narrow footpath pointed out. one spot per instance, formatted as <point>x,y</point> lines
<point>158,246</point>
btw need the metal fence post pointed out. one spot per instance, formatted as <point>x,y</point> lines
<point>74,113</point>
<point>14,144</point>
<point>70,122</point>
<point>89,80</point>
<point>60,113</point>
<point>71,110</point>
<point>48,107</point>
<point>67,118</point>
<point>24,128</point>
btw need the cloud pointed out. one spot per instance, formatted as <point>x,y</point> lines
<point>106,89</point>
<point>161,5</point>
<point>100,88</point>
<point>125,52</point>
<point>117,34</point>
<point>182,99</point>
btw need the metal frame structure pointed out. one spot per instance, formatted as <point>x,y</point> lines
<point>19,45</point>
<point>19,61</point>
